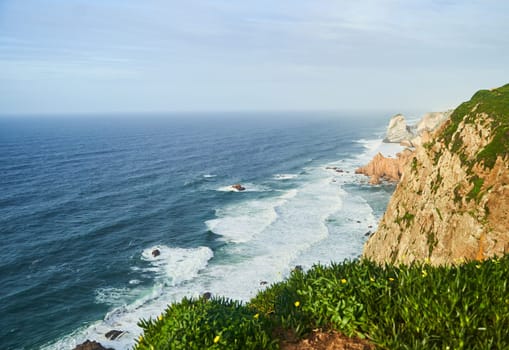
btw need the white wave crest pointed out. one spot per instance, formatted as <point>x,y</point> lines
<point>285,176</point>
<point>177,265</point>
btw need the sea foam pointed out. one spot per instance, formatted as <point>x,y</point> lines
<point>264,236</point>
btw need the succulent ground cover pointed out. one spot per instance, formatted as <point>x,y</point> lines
<point>418,306</point>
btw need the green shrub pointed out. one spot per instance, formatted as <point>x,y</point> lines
<point>475,193</point>
<point>207,324</point>
<point>415,306</point>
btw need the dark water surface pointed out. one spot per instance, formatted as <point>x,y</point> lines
<point>84,200</point>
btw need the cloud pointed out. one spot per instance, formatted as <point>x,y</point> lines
<point>212,50</point>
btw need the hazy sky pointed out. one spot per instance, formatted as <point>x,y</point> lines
<point>162,55</point>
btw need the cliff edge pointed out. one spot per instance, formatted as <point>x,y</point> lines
<point>452,201</point>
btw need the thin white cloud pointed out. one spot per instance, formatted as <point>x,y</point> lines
<point>213,50</point>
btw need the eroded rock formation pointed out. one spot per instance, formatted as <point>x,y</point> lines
<point>452,202</point>
<point>385,168</point>
<point>398,130</point>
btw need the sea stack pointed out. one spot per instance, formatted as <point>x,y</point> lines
<point>398,130</point>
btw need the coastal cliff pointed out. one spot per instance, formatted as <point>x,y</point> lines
<point>452,201</point>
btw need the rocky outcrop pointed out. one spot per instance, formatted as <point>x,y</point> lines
<point>156,252</point>
<point>398,130</point>
<point>91,345</point>
<point>114,334</point>
<point>238,187</point>
<point>452,201</point>
<point>384,168</point>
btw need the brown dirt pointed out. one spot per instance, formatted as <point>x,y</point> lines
<point>319,340</point>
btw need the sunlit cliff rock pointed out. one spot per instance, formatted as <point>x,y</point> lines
<point>452,201</point>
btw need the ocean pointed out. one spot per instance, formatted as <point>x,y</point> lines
<point>84,200</point>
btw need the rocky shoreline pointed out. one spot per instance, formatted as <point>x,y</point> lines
<point>382,168</point>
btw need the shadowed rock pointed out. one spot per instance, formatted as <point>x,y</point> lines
<point>238,187</point>
<point>91,345</point>
<point>113,334</point>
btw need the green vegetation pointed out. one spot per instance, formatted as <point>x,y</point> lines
<point>207,324</point>
<point>396,307</point>
<point>414,165</point>
<point>431,241</point>
<point>407,219</point>
<point>436,157</point>
<point>475,193</point>
<point>439,214</point>
<point>495,103</point>
<point>435,184</point>
<point>457,194</point>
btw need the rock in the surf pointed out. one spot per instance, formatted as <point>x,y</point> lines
<point>91,345</point>
<point>156,253</point>
<point>113,334</point>
<point>238,187</point>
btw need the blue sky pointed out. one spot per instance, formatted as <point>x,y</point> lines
<point>88,56</point>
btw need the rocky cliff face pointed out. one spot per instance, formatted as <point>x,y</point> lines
<point>452,202</point>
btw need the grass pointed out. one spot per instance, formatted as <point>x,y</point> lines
<point>396,307</point>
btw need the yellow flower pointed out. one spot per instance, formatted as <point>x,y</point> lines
<point>216,339</point>
<point>160,317</point>
<point>372,279</point>
<point>478,266</point>
<point>256,316</point>
<point>391,279</point>
<point>424,273</point>
<point>297,303</point>
<point>140,338</point>
<point>343,280</point>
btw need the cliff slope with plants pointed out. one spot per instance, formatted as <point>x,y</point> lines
<point>452,202</point>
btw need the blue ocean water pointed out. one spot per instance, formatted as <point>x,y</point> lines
<point>84,201</point>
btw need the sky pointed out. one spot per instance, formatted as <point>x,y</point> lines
<point>116,56</point>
